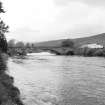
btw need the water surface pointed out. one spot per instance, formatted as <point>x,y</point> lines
<point>59,80</point>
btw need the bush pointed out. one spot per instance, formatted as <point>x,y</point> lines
<point>84,51</point>
<point>68,43</point>
<point>90,52</point>
<point>99,52</point>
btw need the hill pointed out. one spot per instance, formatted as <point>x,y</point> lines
<point>99,39</point>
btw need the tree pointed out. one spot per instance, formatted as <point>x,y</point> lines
<point>67,43</point>
<point>1,8</point>
<point>11,43</point>
<point>3,30</point>
<point>19,44</point>
<point>32,45</point>
<point>28,45</point>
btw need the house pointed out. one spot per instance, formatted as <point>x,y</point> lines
<point>94,45</point>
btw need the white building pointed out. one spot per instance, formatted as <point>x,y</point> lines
<point>93,46</point>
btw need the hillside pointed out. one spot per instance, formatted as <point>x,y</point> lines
<point>99,39</point>
<point>51,43</point>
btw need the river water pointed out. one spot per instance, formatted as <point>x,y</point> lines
<point>59,80</point>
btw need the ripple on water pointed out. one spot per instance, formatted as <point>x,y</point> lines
<point>58,80</point>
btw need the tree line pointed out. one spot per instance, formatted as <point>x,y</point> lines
<point>67,45</point>
<point>12,44</point>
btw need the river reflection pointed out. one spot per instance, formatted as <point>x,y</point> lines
<point>59,80</point>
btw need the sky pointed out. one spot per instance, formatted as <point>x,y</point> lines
<point>42,20</point>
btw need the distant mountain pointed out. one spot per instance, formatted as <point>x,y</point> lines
<point>99,39</point>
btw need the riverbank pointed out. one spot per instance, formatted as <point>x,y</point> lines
<point>9,94</point>
<point>90,52</point>
<point>17,51</point>
<point>67,51</point>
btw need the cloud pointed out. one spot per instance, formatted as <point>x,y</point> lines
<point>49,20</point>
<point>24,34</point>
<point>89,2</point>
<point>78,18</point>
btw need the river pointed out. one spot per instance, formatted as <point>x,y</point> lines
<point>59,80</point>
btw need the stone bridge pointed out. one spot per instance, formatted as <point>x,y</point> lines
<point>58,50</point>
<point>54,50</point>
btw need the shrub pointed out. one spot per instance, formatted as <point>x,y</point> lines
<point>67,43</point>
<point>90,52</point>
<point>99,52</point>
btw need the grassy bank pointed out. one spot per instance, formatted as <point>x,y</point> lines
<point>9,94</point>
